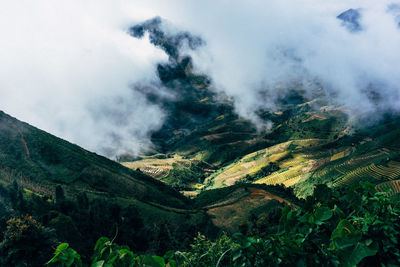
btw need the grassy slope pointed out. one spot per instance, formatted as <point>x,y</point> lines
<point>39,162</point>
<point>44,161</point>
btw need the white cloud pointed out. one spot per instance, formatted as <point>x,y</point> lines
<point>66,66</point>
<point>246,41</point>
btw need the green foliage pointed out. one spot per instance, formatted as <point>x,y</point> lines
<point>349,244</point>
<point>357,227</point>
<point>205,252</point>
<point>181,175</point>
<point>107,254</point>
<point>332,227</point>
<point>25,242</point>
<point>65,256</point>
<point>350,229</point>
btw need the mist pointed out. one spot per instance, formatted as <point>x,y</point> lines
<point>69,67</point>
<point>255,46</point>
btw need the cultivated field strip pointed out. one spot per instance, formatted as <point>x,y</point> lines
<point>392,187</point>
<point>154,171</point>
<point>281,178</point>
<point>352,165</point>
<point>378,172</point>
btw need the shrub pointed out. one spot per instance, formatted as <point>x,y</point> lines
<point>26,243</point>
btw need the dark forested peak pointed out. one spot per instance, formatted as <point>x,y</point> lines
<point>169,42</point>
<point>351,20</point>
<point>193,102</point>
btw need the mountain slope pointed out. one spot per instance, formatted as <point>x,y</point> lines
<point>61,184</point>
<point>42,161</point>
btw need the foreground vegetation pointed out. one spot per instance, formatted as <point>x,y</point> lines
<point>357,226</point>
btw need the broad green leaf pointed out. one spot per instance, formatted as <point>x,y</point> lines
<point>100,243</point>
<point>346,242</point>
<point>323,213</point>
<point>344,235</point>
<point>61,247</point>
<point>344,228</point>
<point>352,256</point>
<point>71,257</point>
<point>154,261</point>
<point>98,264</point>
<point>113,259</point>
<point>125,252</point>
<point>159,260</point>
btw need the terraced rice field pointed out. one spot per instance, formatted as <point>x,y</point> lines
<point>295,161</point>
<point>155,172</point>
<point>378,172</point>
<point>156,168</point>
<point>338,156</point>
<point>254,162</point>
<point>288,176</point>
<point>391,172</point>
<point>330,171</point>
<point>352,168</point>
<point>392,187</point>
<point>294,180</point>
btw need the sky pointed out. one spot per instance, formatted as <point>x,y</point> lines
<point>68,67</point>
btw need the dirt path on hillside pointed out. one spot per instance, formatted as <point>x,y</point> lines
<point>262,193</point>
<point>25,144</point>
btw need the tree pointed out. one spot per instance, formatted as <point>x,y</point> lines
<point>26,243</point>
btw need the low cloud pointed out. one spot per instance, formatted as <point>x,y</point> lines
<point>68,67</point>
<point>256,46</point>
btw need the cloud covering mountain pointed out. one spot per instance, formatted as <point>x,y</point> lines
<point>69,67</point>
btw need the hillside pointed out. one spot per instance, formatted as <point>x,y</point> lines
<point>344,156</point>
<point>40,161</point>
<point>62,184</point>
<point>308,140</point>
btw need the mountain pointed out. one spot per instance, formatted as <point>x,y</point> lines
<point>204,144</point>
<point>317,185</point>
<point>71,190</point>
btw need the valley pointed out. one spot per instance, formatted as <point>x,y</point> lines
<point>295,176</point>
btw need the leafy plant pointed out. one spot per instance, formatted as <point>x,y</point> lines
<point>65,256</point>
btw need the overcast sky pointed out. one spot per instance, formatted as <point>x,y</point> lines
<point>67,66</point>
